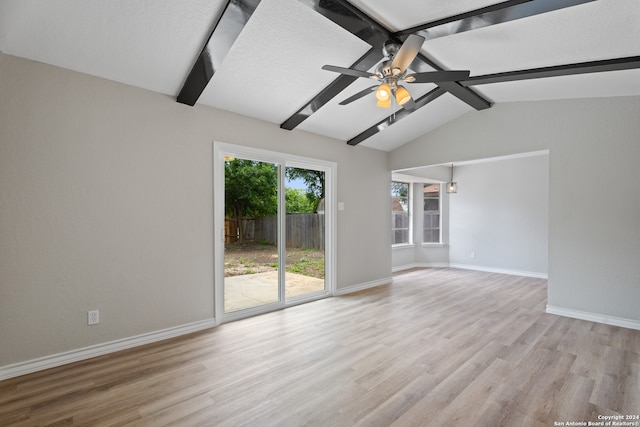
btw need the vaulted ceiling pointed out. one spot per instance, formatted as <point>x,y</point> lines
<point>264,58</point>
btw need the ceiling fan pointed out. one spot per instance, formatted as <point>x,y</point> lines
<point>393,70</point>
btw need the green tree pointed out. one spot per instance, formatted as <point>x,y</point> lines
<point>314,180</point>
<point>298,202</point>
<point>251,188</point>
<point>400,191</point>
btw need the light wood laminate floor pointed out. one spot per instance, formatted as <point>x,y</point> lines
<point>439,347</point>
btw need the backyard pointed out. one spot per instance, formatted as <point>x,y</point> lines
<point>252,258</point>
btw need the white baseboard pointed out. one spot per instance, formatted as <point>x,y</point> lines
<point>594,317</point>
<point>501,271</point>
<point>362,286</point>
<point>403,267</point>
<point>419,265</point>
<point>469,267</point>
<point>46,362</point>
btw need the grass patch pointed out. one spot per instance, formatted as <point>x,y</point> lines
<point>240,259</point>
<point>307,267</point>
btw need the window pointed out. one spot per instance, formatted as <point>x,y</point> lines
<point>431,222</point>
<point>400,221</point>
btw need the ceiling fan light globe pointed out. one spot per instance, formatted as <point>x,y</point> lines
<point>402,95</point>
<point>384,104</point>
<point>383,93</point>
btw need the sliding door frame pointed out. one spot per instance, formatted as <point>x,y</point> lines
<point>220,150</point>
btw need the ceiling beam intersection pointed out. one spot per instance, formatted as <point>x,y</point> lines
<point>366,28</point>
<point>357,23</point>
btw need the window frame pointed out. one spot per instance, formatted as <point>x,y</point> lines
<point>432,212</point>
<point>409,210</point>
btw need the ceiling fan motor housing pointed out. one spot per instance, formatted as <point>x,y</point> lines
<point>390,49</point>
<point>384,69</point>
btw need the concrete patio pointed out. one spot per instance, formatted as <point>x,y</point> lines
<point>251,290</point>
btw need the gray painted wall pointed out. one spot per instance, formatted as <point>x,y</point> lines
<point>500,213</point>
<point>594,223</point>
<point>106,202</point>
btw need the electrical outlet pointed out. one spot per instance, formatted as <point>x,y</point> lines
<point>93,317</point>
<point>472,254</point>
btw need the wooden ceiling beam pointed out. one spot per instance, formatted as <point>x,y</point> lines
<point>225,32</point>
<point>506,11</point>
<point>397,116</point>
<point>616,64</point>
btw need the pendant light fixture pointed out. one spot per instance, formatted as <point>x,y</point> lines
<point>452,187</point>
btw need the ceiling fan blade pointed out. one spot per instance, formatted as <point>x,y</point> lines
<point>407,52</point>
<point>358,95</point>
<point>348,71</point>
<point>438,76</point>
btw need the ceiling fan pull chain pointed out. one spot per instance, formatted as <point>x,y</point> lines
<point>394,108</point>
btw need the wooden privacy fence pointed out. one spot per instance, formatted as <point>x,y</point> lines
<point>302,230</point>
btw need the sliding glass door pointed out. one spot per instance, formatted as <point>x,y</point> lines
<point>273,230</point>
<point>251,255</point>
<point>305,232</point>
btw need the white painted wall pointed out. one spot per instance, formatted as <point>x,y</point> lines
<point>106,203</point>
<point>594,223</point>
<point>500,216</point>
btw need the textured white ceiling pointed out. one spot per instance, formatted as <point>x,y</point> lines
<point>598,30</point>
<point>597,85</point>
<point>402,14</point>
<point>433,115</point>
<point>151,44</point>
<point>274,67</point>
